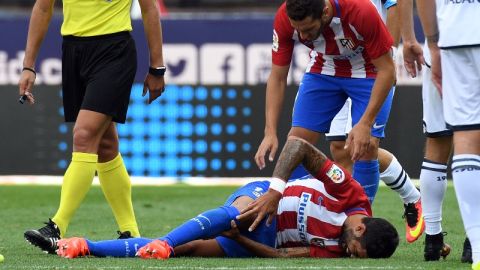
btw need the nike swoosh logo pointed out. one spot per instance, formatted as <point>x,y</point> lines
<point>418,229</point>
<point>375,126</point>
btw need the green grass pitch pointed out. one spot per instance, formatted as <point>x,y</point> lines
<point>160,209</point>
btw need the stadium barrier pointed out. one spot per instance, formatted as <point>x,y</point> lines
<point>190,131</point>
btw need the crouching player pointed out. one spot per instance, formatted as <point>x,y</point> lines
<point>324,215</point>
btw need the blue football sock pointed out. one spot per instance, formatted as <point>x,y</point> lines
<point>117,248</point>
<point>366,172</point>
<point>206,225</point>
<point>299,172</point>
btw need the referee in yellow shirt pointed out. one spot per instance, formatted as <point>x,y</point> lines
<point>99,64</point>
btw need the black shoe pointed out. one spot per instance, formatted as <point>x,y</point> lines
<point>467,252</point>
<point>45,238</point>
<point>124,235</point>
<point>435,247</point>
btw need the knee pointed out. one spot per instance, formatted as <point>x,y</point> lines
<point>372,150</point>
<point>84,139</point>
<point>340,155</point>
<point>107,149</point>
<point>337,149</point>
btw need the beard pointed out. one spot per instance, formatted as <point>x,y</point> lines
<point>346,237</point>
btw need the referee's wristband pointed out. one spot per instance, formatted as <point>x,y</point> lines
<point>277,184</point>
<point>157,71</point>
<point>30,69</point>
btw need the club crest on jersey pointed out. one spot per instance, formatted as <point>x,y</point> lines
<point>275,43</point>
<point>347,43</point>
<point>336,174</point>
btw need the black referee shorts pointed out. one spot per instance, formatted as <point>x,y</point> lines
<point>98,74</point>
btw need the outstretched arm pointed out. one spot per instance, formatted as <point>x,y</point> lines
<point>412,51</point>
<point>39,21</point>
<point>153,31</point>
<point>427,13</point>
<point>264,251</point>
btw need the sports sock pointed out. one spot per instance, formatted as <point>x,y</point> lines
<point>398,180</point>
<point>466,178</point>
<point>206,225</point>
<point>299,172</point>
<point>433,185</point>
<point>76,183</point>
<point>117,248</point>
<point>367,174</point>
<point>116,187</point>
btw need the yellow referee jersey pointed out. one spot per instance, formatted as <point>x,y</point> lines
<point>86,18</point>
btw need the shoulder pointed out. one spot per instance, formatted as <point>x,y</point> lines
<point>281,24</point>
<point>281,17</point>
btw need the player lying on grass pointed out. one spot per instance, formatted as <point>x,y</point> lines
<point>326,216</point>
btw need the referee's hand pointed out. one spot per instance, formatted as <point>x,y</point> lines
<point>155,86</point>
<point>25,86</point>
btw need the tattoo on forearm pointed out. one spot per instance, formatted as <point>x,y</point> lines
<point>298,151</point>
<point>433,38</point>
<point>294,252</point>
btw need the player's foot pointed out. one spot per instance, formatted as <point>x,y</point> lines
<point>72,247</point>
<point>435,247</point>
<point>124,235</point>
<point>467,251</point>
<point>45,238</point>
<point>414,223</point>
<point>157,249</point>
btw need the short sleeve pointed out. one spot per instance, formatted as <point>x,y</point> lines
<point>283,43</point>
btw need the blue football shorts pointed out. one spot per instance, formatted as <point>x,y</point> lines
<point>320,98</point>
<point>263,234</point>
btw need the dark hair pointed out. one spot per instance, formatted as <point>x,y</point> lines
<point>380,238</point>
<point>298,10</point>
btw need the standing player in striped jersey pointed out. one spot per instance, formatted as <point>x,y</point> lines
<point>350,57</point>
<point>327,216</point>
<point>454,45</point>
<point>391,171</point>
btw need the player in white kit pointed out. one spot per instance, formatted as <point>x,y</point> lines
<point>454,46</point>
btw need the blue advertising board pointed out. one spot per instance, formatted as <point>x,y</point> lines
<point>204,51</point>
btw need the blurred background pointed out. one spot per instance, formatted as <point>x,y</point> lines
<point>210,120</point>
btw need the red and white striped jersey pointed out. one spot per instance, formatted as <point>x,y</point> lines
<point>312,211</point>
<point>346,46</point>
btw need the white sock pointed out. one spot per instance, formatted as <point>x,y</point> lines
<point>433,184</point>
<point>398,180</point>
<point>466,179</point>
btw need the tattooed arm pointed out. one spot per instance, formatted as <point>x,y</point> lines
<point>294,152</point>
<point>265,251</point>
<point>298,151</point>
<point>262,250</point>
